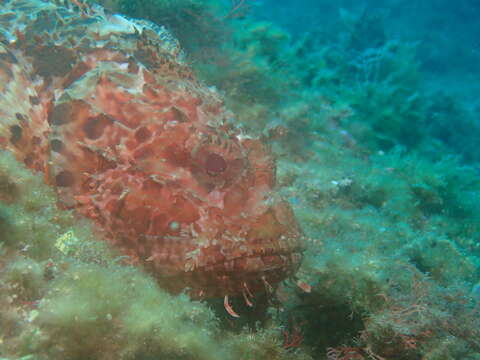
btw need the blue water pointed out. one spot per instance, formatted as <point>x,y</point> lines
<point>447,33</point>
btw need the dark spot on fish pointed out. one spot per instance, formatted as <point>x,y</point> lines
<point>132,66</point>
<point>64,179</point>
<point>215,164</point>
<point>56,145</point>
<point>28,160</point>
<point>61,114</point>
<point>95,126</point>
<point>142,134</point>
<point>34,100</point>
<point>16,133</point>
<point>179,115</point>
<point>53,60</point>
<point>36,141</point>
<point>20,116</point>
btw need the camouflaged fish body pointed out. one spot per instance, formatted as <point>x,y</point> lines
<point>107,109</point>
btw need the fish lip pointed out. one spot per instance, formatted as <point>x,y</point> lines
<point>225,278</point>
<point>258,273</point>
<point>288,257</point>
<point>292,250</point>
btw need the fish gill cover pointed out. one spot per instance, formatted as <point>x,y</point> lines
<point>202,258</point>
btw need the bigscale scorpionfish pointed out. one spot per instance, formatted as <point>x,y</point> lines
<point>108,110</point>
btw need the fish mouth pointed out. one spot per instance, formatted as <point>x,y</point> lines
<point>245,275</point>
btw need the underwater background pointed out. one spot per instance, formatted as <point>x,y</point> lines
<point>372,111</point>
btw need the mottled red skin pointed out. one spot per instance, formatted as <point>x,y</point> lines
<point>127,136</point>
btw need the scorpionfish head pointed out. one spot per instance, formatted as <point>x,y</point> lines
<point>174,186</point>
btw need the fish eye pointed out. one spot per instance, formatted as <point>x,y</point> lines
<point>215,164</point>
